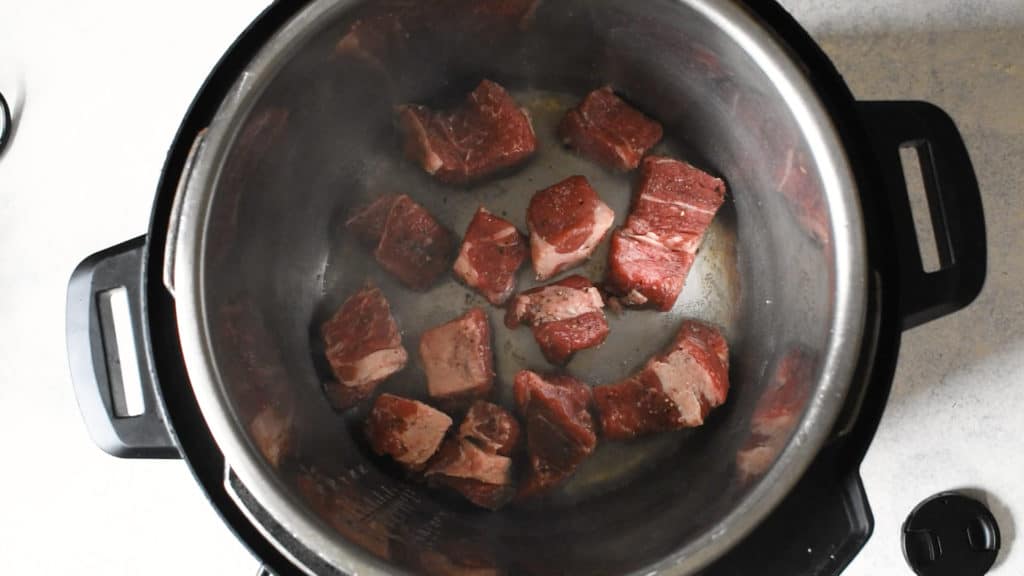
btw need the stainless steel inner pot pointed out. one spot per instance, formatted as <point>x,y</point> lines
<point>258,258</point>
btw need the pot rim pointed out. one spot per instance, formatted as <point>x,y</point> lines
<point>186,247</point>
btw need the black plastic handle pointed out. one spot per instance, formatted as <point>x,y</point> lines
<point>954,202</point>
<point>95,362</point>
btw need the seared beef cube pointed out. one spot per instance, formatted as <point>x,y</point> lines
<point>458,359</point>
<point>488,133</point>
<point>674,390</point>
<point>483,478</point>
<point>567,221</point>
<point>609,131</point>
<point>490,427</point>
<point>777,413</point>
<point>650,256</point>
<point>363,347</point>
<point>565,316</point>
<point>491,254</point>
<point>407,430</point>
<point>406,240</point>
<point>559,428</point>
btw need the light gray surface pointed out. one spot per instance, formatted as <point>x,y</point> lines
<point>99,89</point>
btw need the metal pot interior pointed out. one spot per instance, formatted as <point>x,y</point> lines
<point>314,138</point>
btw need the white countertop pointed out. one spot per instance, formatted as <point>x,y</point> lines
<point>98,90</point>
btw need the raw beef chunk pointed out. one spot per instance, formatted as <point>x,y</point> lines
<point>363,347</point>
<point>408,431</point>
<point>487,134</point>
<point>457,358</point>
<point>675,203</point>
<point>491,254</point>
<point>776,413</point>
<point>651,255</point>
<point>483,478</point>
<point>406,240</point>
<point>476,463</point>
<point>645,273</point>
<point>566,317</point>
<point>559,428</point>
<point>490,427</point>
<point>674,390</point>
<point>567,221</point>
<point>609,131</point>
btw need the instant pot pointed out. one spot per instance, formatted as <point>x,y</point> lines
<point>244,255</point>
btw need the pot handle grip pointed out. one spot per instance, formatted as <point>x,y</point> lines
<point>954,203</point>
<point>123,424</point>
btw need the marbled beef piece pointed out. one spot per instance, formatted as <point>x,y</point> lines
<point>674,390</point>
<point>643,273</point>
<point>608,131</point>
<point>492,252</point>
<point>363,347</point>
<point>458,359</point>
<point>567,221</point>
<point>477,462</point>
<point>674,203</point>
<point>650,256</point>
<point>488,133</point>
<point>559,428</point>
<point>406,239</point>
<point>491,427</point>
<point>565,317</point>
<point>483,478</point>
<point>407,430</point>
